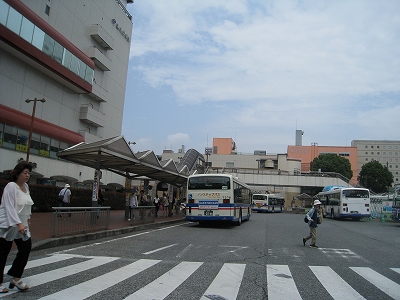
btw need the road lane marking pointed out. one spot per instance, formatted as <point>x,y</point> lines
<point>227,282</point>
<point>100,283</point>
<point>120,238</point>
<point>334,284</point>
<point>159,249</point>
<point>386,285</point>
<point>167,283</point>
<point>280,283</point>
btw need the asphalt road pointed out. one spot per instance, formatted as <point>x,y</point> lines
<point>263,258</point>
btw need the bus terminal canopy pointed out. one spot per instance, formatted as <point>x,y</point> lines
<point>115,155</point>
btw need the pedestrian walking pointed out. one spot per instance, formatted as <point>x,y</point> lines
<point>64,197</point>
<point>133,202</point>
<point>100,203</point>
<point>142,199</point>
<point>156,203</point>
<point>312,217</point>
<point>15,213</point>
<point>165,204</point>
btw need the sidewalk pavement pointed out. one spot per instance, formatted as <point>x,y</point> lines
<point>41,227</point>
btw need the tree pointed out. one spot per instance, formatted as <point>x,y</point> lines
<point>375,176</point>
<point>330,162</point>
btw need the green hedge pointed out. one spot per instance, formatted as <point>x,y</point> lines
<point>45,197</point>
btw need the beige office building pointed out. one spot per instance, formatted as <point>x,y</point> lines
<point>386,152</point>
<point>73,54</point>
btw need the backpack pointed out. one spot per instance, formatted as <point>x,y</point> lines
<point>305,219</point>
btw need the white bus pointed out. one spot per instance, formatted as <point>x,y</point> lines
<point>267,203</point>
<point>342,202</point>
<point>217,197</point>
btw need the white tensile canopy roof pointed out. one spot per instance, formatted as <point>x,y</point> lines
<point>115,155</point>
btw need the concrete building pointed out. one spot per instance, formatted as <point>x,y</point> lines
<point>73,54</point>
<point>224,146</point>
<point>386,152</point>
<point>307,154</point>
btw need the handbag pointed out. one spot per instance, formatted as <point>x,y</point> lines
<point>321,217</point>
<point>61,197</point>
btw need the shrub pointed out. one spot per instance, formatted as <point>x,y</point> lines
<point>45,197</point>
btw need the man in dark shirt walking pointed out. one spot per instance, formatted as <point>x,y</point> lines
<point>312,217</point>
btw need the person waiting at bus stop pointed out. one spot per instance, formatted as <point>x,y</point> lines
<point>312,217</point>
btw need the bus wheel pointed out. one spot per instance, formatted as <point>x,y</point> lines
<point>239,222</point>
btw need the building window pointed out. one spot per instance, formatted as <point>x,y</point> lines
<point>35,143</point>
<point>44,146</point>
<point>372,147</point>
<point>22,140</point>
<point>378,153</point>
<point>230,165</point>
<point>15,138</point>
<point>21,26</point>
<point>47,10</point>
<point>366,159</point>
<point>372,153</point>
<point>366,152</point>
<point>377,147</point>
<point>54,148</point>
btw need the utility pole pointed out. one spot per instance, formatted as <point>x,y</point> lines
<point>31,127</point>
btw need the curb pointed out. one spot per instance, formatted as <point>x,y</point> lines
<point>67,240</point>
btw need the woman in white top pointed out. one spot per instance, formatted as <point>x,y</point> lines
<point>132,203</point>
<point>15,213</point>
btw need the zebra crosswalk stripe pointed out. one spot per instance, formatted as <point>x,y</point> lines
<point>227,282</point>
<point>225,285</point>
<point>165,284</point>
<point>386,285</point>
<point>280,283</point>
<point>59,273</point>
<point>95,285</point>
<point>396,270</point>
<point>44,261</point>
<point>334,284</point>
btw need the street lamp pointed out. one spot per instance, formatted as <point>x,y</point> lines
<point>31,127</point>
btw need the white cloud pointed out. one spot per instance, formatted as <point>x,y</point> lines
<point>328,66</point>
<point>177,140</point>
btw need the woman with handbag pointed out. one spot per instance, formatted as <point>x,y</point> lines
<point>15,213</point>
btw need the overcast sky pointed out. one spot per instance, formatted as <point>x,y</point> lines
<point>257,70</point>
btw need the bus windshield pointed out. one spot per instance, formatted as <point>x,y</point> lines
<point>356,193</point>
<point>209,182</point>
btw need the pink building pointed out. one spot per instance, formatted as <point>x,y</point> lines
<point>307,154</point>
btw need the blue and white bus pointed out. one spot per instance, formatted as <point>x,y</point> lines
<point>217,197</point>
<point>340,203</point>
<point>267,203</point>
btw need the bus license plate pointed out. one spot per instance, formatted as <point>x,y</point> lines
<point>208,212</point>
